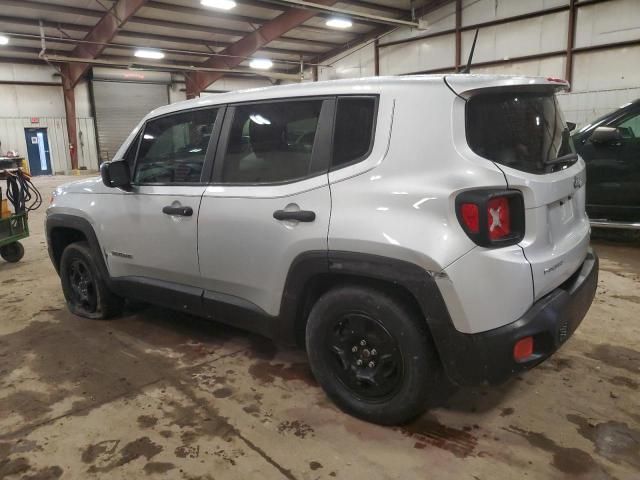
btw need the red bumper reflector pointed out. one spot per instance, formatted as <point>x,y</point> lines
<point>523,349</point>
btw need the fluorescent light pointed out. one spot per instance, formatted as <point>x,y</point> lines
<point>4,40</point>
<point>146,136</point>
<point>261,63</point>
<point>336,22</point>
<point>147,53</point>
<point>259,119</point>
<point>221,4</point>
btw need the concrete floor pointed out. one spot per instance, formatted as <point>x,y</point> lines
<point>160,394</point>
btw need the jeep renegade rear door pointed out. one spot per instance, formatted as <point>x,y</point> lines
<point>269,201</point>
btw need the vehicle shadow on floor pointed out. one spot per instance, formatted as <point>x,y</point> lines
<point>194,336</point>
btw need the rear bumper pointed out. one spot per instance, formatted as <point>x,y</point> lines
<point>487,357</point>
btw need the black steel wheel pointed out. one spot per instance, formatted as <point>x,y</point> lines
<point>371,352</point>
<point>12,252</point>
<point>367,359</point>
<point>84,287</point>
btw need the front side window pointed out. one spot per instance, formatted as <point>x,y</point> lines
<point>521,130</point>
<point>272,142</point>
<point>173,148</point>
<point>630,127</point>
<point>353,133</point>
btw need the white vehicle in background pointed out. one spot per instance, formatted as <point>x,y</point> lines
<point>400,228</point>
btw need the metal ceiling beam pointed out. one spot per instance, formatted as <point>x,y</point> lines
<point>149,36</point>
<point>248,45</point>
<point>400,12</point>
<point>226,15</point>
<point>221,31</point>
<point>363,40</point>
<point>51,7</point>
<point>85,12</point>
<point>205,43</point>
<point>46,24</point>
<point>103,32</point>
<point>352,14</point>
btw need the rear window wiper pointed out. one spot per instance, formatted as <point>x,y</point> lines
<point>562,160</point>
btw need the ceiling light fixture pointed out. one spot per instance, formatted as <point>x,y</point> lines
<point>146,53</point>
<point>336,22</point>
<point>261,63</point>
<point>221,4</point>
<point>4,39</point>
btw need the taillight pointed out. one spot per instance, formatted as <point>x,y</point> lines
<point>491,218</point>
<point>498,218</point>
<point>471,216</point>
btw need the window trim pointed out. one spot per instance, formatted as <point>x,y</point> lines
<point>209,157</point>
<point>374,125</point>
<point>321,155</point>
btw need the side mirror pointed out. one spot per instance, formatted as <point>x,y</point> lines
<point>571,126</point>
<point>116,174</point>
<point>605,135</point>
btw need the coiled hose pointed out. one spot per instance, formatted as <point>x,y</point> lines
<point>22,193</point>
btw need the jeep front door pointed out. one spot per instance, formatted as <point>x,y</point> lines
<point>150,232</point>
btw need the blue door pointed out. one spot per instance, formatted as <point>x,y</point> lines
<point>38,151</point>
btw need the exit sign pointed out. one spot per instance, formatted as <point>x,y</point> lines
<point>35,120</point>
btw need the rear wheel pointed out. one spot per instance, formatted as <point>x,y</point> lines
<point>85,290</point>
<point>12,252</point>
<point>372,354</point>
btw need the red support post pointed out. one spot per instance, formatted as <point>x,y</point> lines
<point>70,111</point>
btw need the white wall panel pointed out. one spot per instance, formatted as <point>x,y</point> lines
<point>13,138</point>
<point>608,22</point>
<point>547,67</point>
<point>607,69</point>
<point>355,64</point>
<point>481,11</point>
<point>431,53</point>
<point>584,107</point>
<point>443,18</point>
<point>525,37</point>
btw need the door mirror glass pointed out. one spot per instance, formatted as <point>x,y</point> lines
<point>605,135</point>
<point>116,174</point>
<point>571,126</point>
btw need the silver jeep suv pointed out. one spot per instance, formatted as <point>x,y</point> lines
<point>399,228</point>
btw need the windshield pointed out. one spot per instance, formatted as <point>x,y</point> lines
<point>525,131</point>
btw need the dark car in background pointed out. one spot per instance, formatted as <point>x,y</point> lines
<point>610,146</point>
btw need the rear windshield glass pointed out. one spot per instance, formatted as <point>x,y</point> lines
<point>525,131</point>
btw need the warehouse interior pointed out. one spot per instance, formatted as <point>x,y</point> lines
<point>158,393</point>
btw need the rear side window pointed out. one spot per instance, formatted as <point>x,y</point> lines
<point>272,142</point>
<point>173,148</point>
<point>354,128</point>
<point>525,131</point>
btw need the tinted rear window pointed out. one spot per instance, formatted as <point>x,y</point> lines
<point>524,131</point>
<point>355,123</point>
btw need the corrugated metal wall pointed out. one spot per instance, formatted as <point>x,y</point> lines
<point>602,80</point>
<point>20,103</point>
<point>120,107</point>
<point>12,138</point>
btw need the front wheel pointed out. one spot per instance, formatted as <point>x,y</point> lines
<point>84,289</point>
<point>12,252</point>
<point>372,354</point>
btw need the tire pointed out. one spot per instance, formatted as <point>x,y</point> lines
<point>12,252</point>
<point>84,288</point>
<point>398,387</point>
